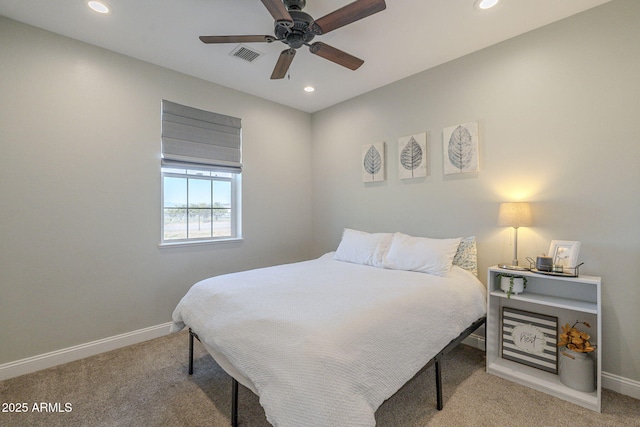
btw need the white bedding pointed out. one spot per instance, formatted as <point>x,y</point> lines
<point>325,342</point>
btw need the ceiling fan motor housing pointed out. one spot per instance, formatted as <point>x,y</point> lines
<point>298,34</point>
<point>295,4</point>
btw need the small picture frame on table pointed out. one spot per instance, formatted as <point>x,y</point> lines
<point>530,338</point>
<point>564,253</point>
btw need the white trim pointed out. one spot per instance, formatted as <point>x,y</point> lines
<point>621,385</point>
<point>65,355</point>
<point>235,179</point>
<point>476,341</point>
<point>183,243</point>
<point>612,382</point>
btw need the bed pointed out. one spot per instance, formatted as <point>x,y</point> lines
<point>325,342</point>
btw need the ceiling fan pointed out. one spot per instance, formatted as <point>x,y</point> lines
<point>296,28</point>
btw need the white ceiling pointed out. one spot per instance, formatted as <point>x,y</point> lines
<point>406,38</point>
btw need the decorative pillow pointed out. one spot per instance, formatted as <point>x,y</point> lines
<point>363,248</point>
<point>432,256</point>
<point>467,255</point>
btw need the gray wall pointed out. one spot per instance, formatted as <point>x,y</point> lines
<point>80,184</point>
<point>80,192</point>
<point>558,114</point>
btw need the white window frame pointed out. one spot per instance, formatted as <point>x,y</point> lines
<point>235,206</point>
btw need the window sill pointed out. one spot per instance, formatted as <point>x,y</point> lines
<point>199,242</point>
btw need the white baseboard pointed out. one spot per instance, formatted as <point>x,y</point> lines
<point>621,385</point>
<point>476,341</point>
<point>609,381</point>
<point>65,355</point>
<point>32,364</point>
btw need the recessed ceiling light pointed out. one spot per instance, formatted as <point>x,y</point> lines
<point>99,6</point>
<point>309,89</point>
<point>485,4</point>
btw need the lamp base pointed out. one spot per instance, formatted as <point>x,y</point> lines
<point>513,267</point>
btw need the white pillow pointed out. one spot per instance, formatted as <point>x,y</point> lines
<point>432,256</point>
<point>363,248</point>
<point>382,248</point>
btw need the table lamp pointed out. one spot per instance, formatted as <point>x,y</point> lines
<point>517,214</point>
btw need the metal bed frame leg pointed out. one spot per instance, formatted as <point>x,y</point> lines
<point>234,402</point>
<point>191,335</point>
<point>438,386</point>
<point>438,358</point>
<point>234,383</point>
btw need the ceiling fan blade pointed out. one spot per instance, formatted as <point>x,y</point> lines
<point>346,15</point>
<point>282,66</point>
<point>336,55</point>
<point>237,39</point>
<point>279,12</point>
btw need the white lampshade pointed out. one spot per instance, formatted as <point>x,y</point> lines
<point>516,214</point>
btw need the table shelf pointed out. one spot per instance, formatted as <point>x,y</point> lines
<point>569,299</point>
<point>551,301</point>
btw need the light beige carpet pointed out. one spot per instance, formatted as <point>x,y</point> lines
<point>147,385</point>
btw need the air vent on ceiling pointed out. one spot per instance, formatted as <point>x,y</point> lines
<point>245,53</point>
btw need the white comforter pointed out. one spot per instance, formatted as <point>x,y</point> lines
<point>325,342</point>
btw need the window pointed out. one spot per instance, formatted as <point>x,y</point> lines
<point>199,205</point>
<point>201,175</point>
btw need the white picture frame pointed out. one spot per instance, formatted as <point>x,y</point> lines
<point>460,149</point>
<point>412,156</point>
<point>372,164</point>
<point>564,253</point>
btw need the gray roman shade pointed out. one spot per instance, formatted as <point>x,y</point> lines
<point>193,138</point>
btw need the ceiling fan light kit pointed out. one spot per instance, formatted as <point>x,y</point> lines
<point>296,28</point>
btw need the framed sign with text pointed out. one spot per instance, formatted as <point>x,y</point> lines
<point>530,338</point>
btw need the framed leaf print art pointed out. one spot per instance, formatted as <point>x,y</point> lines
<point>460,148</point>
<point>412,154</point>
<point>373,162</point>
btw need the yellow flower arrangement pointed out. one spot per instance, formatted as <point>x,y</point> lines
<point>575,340</point>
